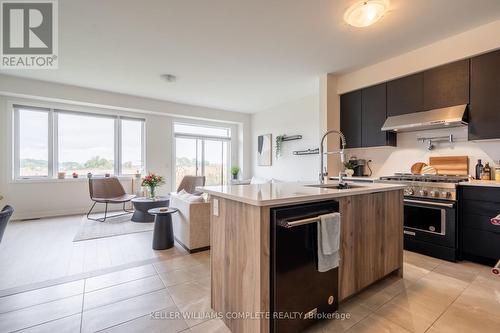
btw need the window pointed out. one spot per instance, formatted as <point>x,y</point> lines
<point>49,141</point>
<point>202,151</point>
<point>33,142</point>
<point>86,144</point>
<point>132,146</point>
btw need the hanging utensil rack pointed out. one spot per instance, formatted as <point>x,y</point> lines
<point>307,152</point>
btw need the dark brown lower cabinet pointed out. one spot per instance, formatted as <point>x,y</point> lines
<point>480,240</point>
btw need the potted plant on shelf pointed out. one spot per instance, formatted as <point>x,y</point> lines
<point>279,142</point>
<point>152,181</point>
<point>235,170</point>
<point>349,169</point>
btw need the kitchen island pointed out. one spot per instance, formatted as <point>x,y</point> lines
<point>371,241</point>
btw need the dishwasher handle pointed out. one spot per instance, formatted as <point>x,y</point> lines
<point>296,223</point>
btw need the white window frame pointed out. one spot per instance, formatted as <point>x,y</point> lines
<point>53,139</point>
<point>227,139</point>
<point>17,139</point>
<point>118,140</point>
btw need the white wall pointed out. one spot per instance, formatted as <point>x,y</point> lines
<point>50,198</point>
<point>464,45</point>
<point>301,116</point>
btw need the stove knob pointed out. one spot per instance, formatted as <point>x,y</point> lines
<point>446,195</point>
<point>422,193</point>
<point>435,194</point>
<point>409,191</point>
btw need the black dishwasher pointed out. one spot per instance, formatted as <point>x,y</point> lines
<point>300,294</point>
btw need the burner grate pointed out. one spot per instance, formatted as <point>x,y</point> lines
<point>426,178</point>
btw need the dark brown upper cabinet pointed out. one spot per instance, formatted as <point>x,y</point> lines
<point>446,85</point>
<point>484,111</point>
<point>350,118</point>
<point>373,115</point>
<point>405,95</point>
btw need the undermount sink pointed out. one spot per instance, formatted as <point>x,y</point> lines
<point>336,186</point>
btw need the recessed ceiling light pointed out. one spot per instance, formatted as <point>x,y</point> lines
<point>169,77</point>
<point>365,13</point>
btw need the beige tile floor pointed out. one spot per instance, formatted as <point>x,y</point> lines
<point>434,296</point>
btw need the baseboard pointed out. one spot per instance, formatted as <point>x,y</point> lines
<point>191,251</point>
<point>61,212</point>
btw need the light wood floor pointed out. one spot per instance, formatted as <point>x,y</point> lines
<point>41,250</point>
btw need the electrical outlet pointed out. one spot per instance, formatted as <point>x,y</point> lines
<point>215,207</point>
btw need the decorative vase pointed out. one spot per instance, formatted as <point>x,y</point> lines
<point>349,172</point>
<point>235,176</point>
<point>152,190</point>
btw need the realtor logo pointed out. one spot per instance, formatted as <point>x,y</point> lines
<point>29,35</point>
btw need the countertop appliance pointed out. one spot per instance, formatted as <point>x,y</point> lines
<point>359,166</point>
<point>297,287</point>
<point>430,213</point>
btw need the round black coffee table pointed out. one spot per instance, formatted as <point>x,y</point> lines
<point>143,204</point>
<point>163,234</point>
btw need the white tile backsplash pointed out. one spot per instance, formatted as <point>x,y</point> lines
<point>388,160</point>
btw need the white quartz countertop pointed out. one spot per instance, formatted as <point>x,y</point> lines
<point>490,183</point>
<point>283,193</point>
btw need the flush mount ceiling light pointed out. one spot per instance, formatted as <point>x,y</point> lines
<point>365,13</point>
<point>169,77</point>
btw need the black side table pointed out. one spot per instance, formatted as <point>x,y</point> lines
<point>143,204</point>
<point>163,235</point>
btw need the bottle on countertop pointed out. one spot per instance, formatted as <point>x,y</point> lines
<point>486,174</point>
<point>497,174</point>
<point>479,169</point>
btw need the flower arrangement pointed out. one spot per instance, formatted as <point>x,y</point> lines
<point>152,181</point>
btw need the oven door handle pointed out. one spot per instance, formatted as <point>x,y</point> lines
<point>438,204</point>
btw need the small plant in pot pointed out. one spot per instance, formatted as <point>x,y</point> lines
<point>235,170</point>
<point>349,169</point>
<point>279,142</point>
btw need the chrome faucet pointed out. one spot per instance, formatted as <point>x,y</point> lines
<point>323,173</point>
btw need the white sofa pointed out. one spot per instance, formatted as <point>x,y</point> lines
<point>192,223</point>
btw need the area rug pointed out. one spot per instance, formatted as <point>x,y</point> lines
<point>115,226</point>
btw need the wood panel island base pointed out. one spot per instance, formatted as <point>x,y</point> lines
<point>371,243</point>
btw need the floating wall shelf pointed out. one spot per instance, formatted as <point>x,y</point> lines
<point>307,152</point>
<point>291,137</point>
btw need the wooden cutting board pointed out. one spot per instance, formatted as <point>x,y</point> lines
<point>450,165</point>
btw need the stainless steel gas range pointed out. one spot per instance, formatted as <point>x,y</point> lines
<point>430,213</point>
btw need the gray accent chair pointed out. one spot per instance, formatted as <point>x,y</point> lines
<point>189,184</point>
<point>108,190</point>
<point>5,215</point>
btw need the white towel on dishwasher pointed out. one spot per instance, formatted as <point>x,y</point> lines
<point>328,241</point>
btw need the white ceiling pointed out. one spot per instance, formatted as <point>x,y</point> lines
<point>239,55</point>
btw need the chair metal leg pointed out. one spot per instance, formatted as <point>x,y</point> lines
<point>90,211</point>
<point>103,219</point>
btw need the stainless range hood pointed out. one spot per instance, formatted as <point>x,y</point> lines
<point>452,116</point>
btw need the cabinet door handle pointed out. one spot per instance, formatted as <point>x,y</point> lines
<point>496,220</point>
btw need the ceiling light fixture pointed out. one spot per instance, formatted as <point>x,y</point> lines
<point>169,77</point>
<point>365,13</point>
